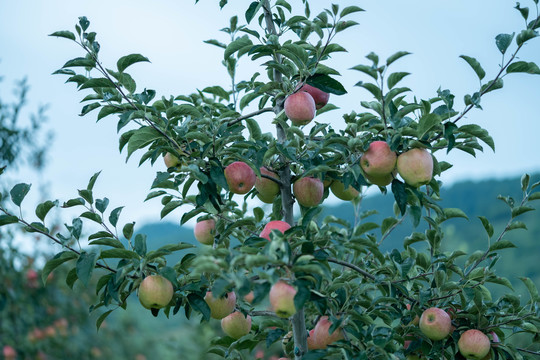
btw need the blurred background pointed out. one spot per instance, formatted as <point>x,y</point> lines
<point>45,142</point>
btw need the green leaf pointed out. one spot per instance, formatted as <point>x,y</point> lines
<point>119,254</point>
<point>521,210</point>
<point>108,242</point>
<point>97,83</point>
<point>236,45</point>
<point>369,70</point>
<point>128,60</point>
<point>487,225</point>
<point>502,244</point>
<point>503,41</point>
<point>141,138</point>
<point>525,35</point>
<point>170,207</point>
<point>524,67</point>
<point>480,133</point>
<point>454,212</point>
<point>198,303</point>
<point>128,230</point>
<point>252,10</point>
<point>427,123</point>
<point>533,291</point>
<point>115,214</point>
<point>400,195</point>
<point>87,108</point>
<point>475,65</point>
<point>43,208</point>
<point>64,34</point>
<point>326,84</point>
<point>394,78</point>
<point>218,91</point>
<point>8,219</point>
<point>85,266</point>
<point>102,318</point>
<point>183,110</point>
<point>80,62</point>
<point>56,261</point>
<point>349,10</point>
<point>396,56</point>
<point>18,193</point>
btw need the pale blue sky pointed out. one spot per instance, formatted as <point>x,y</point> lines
<point>171,34</point>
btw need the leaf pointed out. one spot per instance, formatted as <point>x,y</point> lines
<point>218,91</point>
<point>525,35</point>
<point>142,138</point>
<point>533,291</point>
<point>454,212</point>
<point>326,84</point>
<point>396,56</point>
<point>129,60</point>
<point>85,266</point>
<point>56,261</point>
<point>503,41</point>
<point>394,78</point>
<point>97,83</point>
<point>87,108</point>
<point>524,67</point>
<point>18,193</point>
<point>170,207</point>
<point>252,10</point>
<point>369,70</point>
<point>349,10</point>
<point>387,224</point>
<point>80,62</point>
<point>119,254</point>
<point>102,318</point>
<point>108,242</point>
<point>115,214</point>
<point>400,195</point>
<point>475,66</point>
<point>487,225</point>
<point>8,219</point>
<point>128,230</point>
<point>236,45</point>
<point>183,110</point>
<point>480,133</point>
<point>521,210</point>
<point>198,303</point>
<point>427,123</point>
<point>64,34</point>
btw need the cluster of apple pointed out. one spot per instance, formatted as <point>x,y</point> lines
<point>436,324</point>
<point>60,326</point>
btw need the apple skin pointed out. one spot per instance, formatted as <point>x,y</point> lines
<point>274,225</point>
<point>267,189</point>
<point>9,353</point>
<point>219,308</point>
<point>435,323</point>
<point>382,180</point>
<point>308,191</point>
<point>338,189</point>
<point>474,344</point>
<point>378,161</point>
<point>240,177</point>
<point>282,299</point>
<point>171,160</point>
<point>249,297</point>
<point>300,108</point>
<point>415,167</point>
<point>236,325</point>
<point>155,292</point>
<point>320,97</point>
<point>321,336</point>
<point>205,231</point>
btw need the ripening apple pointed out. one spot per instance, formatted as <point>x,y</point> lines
<point>236,325</point>
<point>282,299</point>
<point>282,226</point>
<point>267,189</point>
<point>322,336</point>
<point>300,108</point>
<point>205,231</point>
<point>338,189</point>
<point>320,97</point>
<point>155,292</point>
<point>220,307</point>
<point>240,177</point>
<point>474,344</point>
<point>308,191</point>
<point>435,323</point>
<point>312,343</point>
<point>249,297</point>
<point>171,160</point>
<point>381,180</point>
<point>9,353</point>
<point>378,161</point>
<point>415,167</point>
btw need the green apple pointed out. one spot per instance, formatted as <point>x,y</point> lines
<point>282,299</point>
<point>308,191</point>
<point>320,97</point>
<point>171,160</point>
<point>240,177</point>
<point>236,325</point>
<point>338,189</point>
<point>474,344</point>
<point>205,231</point>
<point>266,188</point>
<point>415,167</point>
<point>300,108</point>
<point>155,292</point>
<point>435,323</point>
<point>378,161</point>
<point>381,180</point>
<point>220,307</point>
<point>279,225</point>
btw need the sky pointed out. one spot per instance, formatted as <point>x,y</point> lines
<point>171,34</point>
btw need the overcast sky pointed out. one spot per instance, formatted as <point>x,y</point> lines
<point>171,35</point>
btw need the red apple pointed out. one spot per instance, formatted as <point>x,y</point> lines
<point>338,189</point>
<point>282,226</point>
<point>282,299</point>
<point>415,167</point>
<point>322,336</point>
<point>236,325</point>
<point>320,97</point>
<point>171,160</point>
<point>308,191</point>
<point>312,343</point>
<point>378,161</point>
<point>240,177</point>
<point>220,307</point>
<point>9,353</point>
<point>205,231</point>
<point>32,278</point>
<point>155,292</point>
<point>474,344</point>
<point>435,323</point>
<point>49,331</point>
<point>267,189</point>
<point>300,108</point>
<point>494,338</point>
<point>249,297</point>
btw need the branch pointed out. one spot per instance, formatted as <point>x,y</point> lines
<point>255,113</point>
<point>352,266</point>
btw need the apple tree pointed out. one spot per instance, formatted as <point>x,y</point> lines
<point>333,293</point>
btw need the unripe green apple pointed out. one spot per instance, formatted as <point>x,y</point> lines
<point>282,226</point>
<point>300,108</point>
<point>338,189</point>
<point>220,307</point>
<point>435,323</point>
<point>171,160</point>
<point>282,299</point>
<point>240,177</point>
<point>155,292</point>
<point>236,325</point>
<point>382,180</point>
<point>320,97</point>
<point>474,344</point>
<point>415,167</point>
<point>205,231</point>
<point>267,189</point>
<point>308,191</point>
<point>378,161</point>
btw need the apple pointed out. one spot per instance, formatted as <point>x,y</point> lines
<point>205,231</point>
<point>282,226</point>
<point>267,189</point>
<point>9,353</point>
<point>249,297</point>
<point>321,335</point>
<point>382,180</point>
<point>415,167</point>
<point>320,97</point>
<point>474,344</point>
<point>494,339</point>
<point>308,191</point>
<point>240,177</point>
<point>435,323</point>
<point>220,307</point>
<point>171,160</point>
<point>300,108</point>
<point>312,343</point>
<point>155,292</point>
<point>62,326</point>
<point>378,161</point>
<point>32,278</point>
<point>236,325</point>
<point>282,299</point>
<point>338,189</point>
<point>49,331</point>
<point>416,319</point>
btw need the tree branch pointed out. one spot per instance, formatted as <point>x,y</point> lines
<point>247,116</point>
